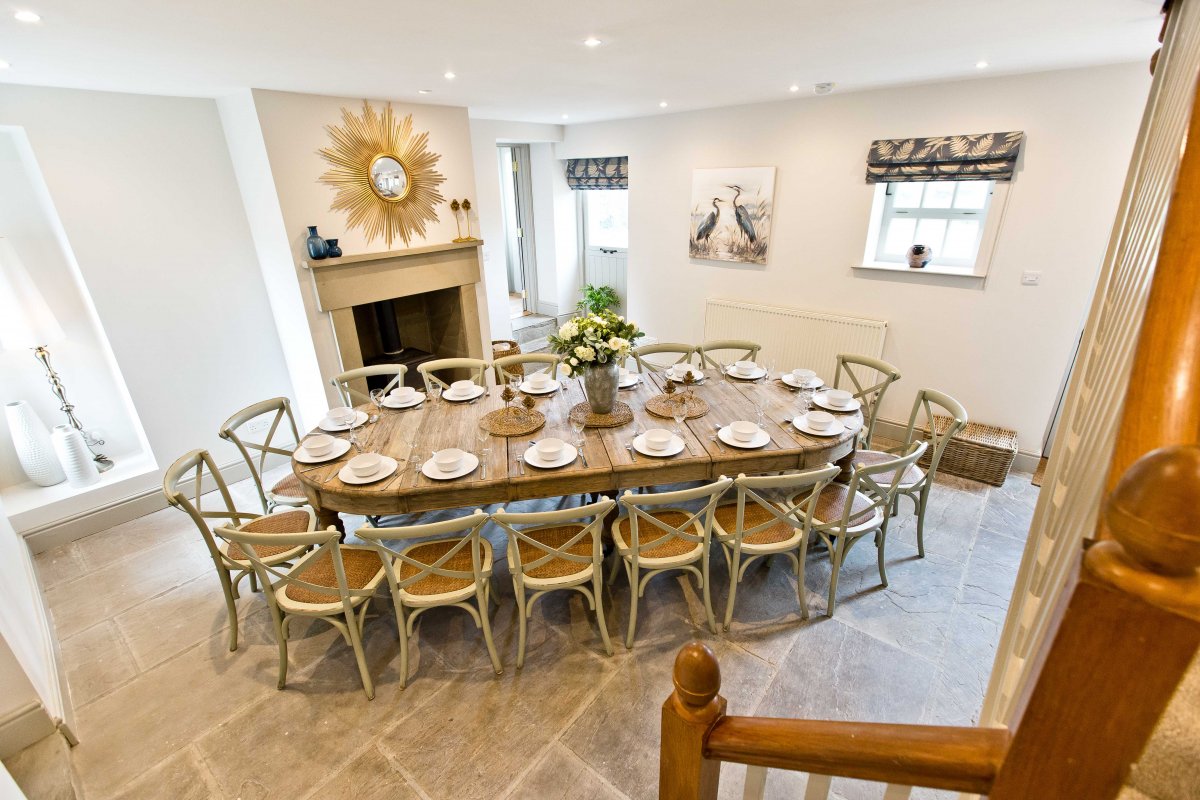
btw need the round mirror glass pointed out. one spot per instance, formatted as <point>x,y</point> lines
<point>388,178</point>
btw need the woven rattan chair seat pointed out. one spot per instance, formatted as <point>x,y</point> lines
<point>285,522</point>
<point>289,486</point>
<point>429,553</point>
<point>655,542</point>
<point>832,501</point>
<point>556,538</point>
<point>755,515</point>
<point>869,458</point>
<point>362,567</point>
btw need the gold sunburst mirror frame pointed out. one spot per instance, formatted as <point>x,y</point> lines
<point>383,173</point>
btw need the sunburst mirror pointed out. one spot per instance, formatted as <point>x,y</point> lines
<point>383,173</point>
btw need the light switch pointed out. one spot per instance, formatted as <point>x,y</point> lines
<point>1030,278</point>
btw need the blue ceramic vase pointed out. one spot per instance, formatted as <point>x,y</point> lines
<point>334,250</point>
<point>318,248</point>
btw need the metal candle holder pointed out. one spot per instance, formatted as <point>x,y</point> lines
<point>42,354</point>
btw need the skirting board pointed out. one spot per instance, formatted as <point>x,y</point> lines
<point>69,529</point>
<point>22,727</point>
<point>1024,461</point>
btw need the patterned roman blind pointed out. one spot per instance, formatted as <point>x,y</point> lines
<point>974,157</point>
<point>598,173</point>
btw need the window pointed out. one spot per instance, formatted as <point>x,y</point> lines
<point>948,216</point>
<point>607,218</point>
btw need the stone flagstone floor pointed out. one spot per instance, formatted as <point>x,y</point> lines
<point>165,710</point>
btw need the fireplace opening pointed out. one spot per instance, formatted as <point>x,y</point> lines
<point>411,331</point>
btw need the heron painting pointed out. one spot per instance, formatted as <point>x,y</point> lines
<point>731,214</point>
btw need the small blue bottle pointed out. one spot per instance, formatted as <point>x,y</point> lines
<point>318,248</point>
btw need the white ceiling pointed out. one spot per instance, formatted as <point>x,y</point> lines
<point>525,60</point>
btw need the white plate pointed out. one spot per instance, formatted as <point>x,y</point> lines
<point>419,398</point>
<point>453,398</point>
<point>569,454</point>
<point>815,383</point>
<point>551,387</point>
<point>674,447</point>
<point>338,450</point>
<point>469,463</point>
<point>820,399</point>
<point>761,439</point>
<point>754,375</point>
<point>697,375</point>
<point>630,380</point>
<point>359,418</point>
<point>801,424</point>
<point>386,467</point>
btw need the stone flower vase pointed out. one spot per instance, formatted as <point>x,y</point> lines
<point>919,255</point>
<point>600,384</point>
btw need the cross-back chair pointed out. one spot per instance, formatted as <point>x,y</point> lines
<point>505,372</point>
<point>842,514</point>
<point>759,525</point>
<point>333,582</point>
<point>353,397</point>
<point>553,550</point>
<point>478,371</point>
<point>451,570</point>
<point>869,394</point>
<point>287,491</point>
<point>915,482</point>
<point>683,353</point>
<point>656,534</point>
<point>741,350</point>
<point>231,562</point>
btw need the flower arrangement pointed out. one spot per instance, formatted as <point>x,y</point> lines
<point>593,340</point>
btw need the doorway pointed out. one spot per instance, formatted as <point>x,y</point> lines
<point>605,224</point>
<point>516,194</point>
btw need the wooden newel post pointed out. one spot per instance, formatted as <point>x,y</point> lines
<point>1128,632</point>
<point>687,716</point>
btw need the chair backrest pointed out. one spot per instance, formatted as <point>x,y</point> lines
<point>639,507</point>
<point>870,382</point>
<point>683,353</point>
<point>793,507</point>
<point>326,544</point>
<point>462,531</point>
<point>924,407</point>
<point>864,479</point>
<point>191,467</point>
<point>245,441</point>
<point>518,526</point>
<point>503,375</point>
<point>353,397</point>
<point>429,369</point>
<point>742,351</point>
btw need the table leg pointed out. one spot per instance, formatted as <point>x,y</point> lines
<point>327,517</point>
<point>846,463</point>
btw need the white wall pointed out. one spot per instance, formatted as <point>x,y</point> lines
<point>999,347</point>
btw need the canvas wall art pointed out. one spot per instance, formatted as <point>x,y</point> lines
<point>731,214</point>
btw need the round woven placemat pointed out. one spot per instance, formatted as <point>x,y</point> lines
<point>621,415</point>
<point>512,422</point>
<point>662,405</point>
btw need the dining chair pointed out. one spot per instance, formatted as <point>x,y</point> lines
<point>553,550</point>
<point>504,372</point>
<point>684,353</point>
<point>916,482</point>
<point>478,371</point>
<point>869,394</point>
<point>742,350</point>
<point>287,491</point>
<point>656,534</point>
<point>333,582</point>
<point>353,397</point>
<point>229,559</point>
<point>843,513</point>
<point>452,570</point>
<point>758,526</point>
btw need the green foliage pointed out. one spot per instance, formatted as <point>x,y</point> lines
<point>597,299</point>
<point>594,339</point>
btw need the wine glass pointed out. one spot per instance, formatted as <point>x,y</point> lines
<point>577,425</point>
<point>721,365</point>
<point>435,391</point>
<point>377,398</point>
<point>769,365</point>
<point>679,414</point>
<point>481,439</point>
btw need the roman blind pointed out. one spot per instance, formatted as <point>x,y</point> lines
<point>971,157</point>
<point>598,173</point>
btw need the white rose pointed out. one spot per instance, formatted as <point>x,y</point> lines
<point>575,361</point>
<point>568,331</point>
<point>616,343</point>
<point>585,353</point>
<point>566,368</point>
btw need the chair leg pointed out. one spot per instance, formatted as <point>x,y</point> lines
<point>734,565</point>
<point>596,588</point>
<point>712,622</point>
<point>521,625</point>
<point>253,582</point>
<point>612,573</point>
<point>879,548</point>
<point>402,626</point>
<point>633,604</point>
<point>801,592</point>
<point>281,639</point>
<point>230,606</point>
<point>486,624</point>
<point>924,498</point>
<point>359,655</point>
<point>836,562</point>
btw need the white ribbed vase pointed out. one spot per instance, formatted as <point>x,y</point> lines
<point>32,443</point>
<point>74,455</point>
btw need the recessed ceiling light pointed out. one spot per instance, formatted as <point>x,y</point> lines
<point>26,16</point>
<point>592,41</point>
<point>424,91</point>
<point>450,76</point>
<point>793,88</point>
<point>4,65</point>
<point>663,104</point>
<point>566,116</point>
<point>981,65</point>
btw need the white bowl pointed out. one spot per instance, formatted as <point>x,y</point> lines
<point>365,464</point>
<point>341,415</point>
<point>742,430</point>
<point>838,397</point>
<point>744,367</point>
<point>803,376</point>
<point>658,438</point>
<point>403,394</point>
<point>539,380</point>
<point>549,449</point>
<point>819,420</point>
<point>319,444</point>
<point>462,388</point>
<point>449,459</point>
<point>623,373</point>
<point>680,370</point>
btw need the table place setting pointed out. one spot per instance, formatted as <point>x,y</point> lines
<point>837,400</point>
<point>550,453</point>
<point>367,468</point>
<point>539,383</point>
<point>403,397</point>
<point>744,435</point>
<point>627,379</point>
<point>319,448</point>
<point>746,371</point>
<point>801,379</point>
<point>448,464</point>
<point>680,372</point>
<point>463,392</point>
<point>342,419</point>
<point>819,423</point>
<point>658,443</point>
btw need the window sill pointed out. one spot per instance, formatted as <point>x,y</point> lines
<point>933,269</point>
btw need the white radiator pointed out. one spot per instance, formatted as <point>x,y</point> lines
<point>792,337</point>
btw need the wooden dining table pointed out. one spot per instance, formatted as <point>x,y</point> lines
<point>607,464</point>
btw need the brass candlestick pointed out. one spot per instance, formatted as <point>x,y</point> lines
<point>466,209</point>
<point>42,354</point>
<point>454,208</point>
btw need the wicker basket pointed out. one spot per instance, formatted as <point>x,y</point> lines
<point>508,347</point>
<point>979,452</point>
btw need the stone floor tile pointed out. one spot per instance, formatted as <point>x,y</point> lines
<point>168,525</point>
<point>562,775</point>
<point>370,776</point>
<point>61,564</point>
<point>97,661</point>
<point>43,770</point>
<point>951,520</point>
<point>1009,508</point>
<point>182,776</point>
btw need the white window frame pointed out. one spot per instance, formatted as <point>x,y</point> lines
<point>992,213</point>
